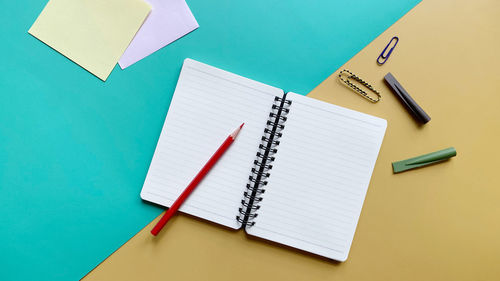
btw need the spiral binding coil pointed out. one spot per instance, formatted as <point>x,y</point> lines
<point>263,162</point>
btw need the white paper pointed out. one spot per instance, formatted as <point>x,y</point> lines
<point>320,177</point>
<point>208,104</point>
<point>168,21</point>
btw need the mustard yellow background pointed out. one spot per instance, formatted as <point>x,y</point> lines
<point>435,223</point>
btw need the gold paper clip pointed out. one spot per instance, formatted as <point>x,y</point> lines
<point>350,75</point>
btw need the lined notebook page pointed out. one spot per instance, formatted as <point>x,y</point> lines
<point>319,178</point>
<point>208,104</point>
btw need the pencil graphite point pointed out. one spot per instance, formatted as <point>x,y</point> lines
<point>235,133</point>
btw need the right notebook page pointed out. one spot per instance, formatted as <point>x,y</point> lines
<point>319,178</point>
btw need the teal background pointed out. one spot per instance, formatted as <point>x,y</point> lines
<point>74,150</point>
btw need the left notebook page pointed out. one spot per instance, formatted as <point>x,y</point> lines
<point>208,104</point>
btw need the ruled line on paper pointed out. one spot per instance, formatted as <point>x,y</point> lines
<point>208,104</point>
<point>319,179</point>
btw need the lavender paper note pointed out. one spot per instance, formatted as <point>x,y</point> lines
<point>168,21</point>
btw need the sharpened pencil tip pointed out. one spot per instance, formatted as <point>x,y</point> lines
<point>242,125</point>
<point>235,133</point>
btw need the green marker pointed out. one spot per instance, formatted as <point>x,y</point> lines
<point>423,160</point>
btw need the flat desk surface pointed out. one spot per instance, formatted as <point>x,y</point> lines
<point>435,223</point>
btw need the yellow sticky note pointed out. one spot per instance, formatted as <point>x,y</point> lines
<point>92,33</point>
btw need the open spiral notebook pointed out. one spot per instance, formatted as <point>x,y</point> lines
<point>297,174</point>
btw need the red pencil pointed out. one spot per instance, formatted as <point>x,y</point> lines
<point>192,185</point>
